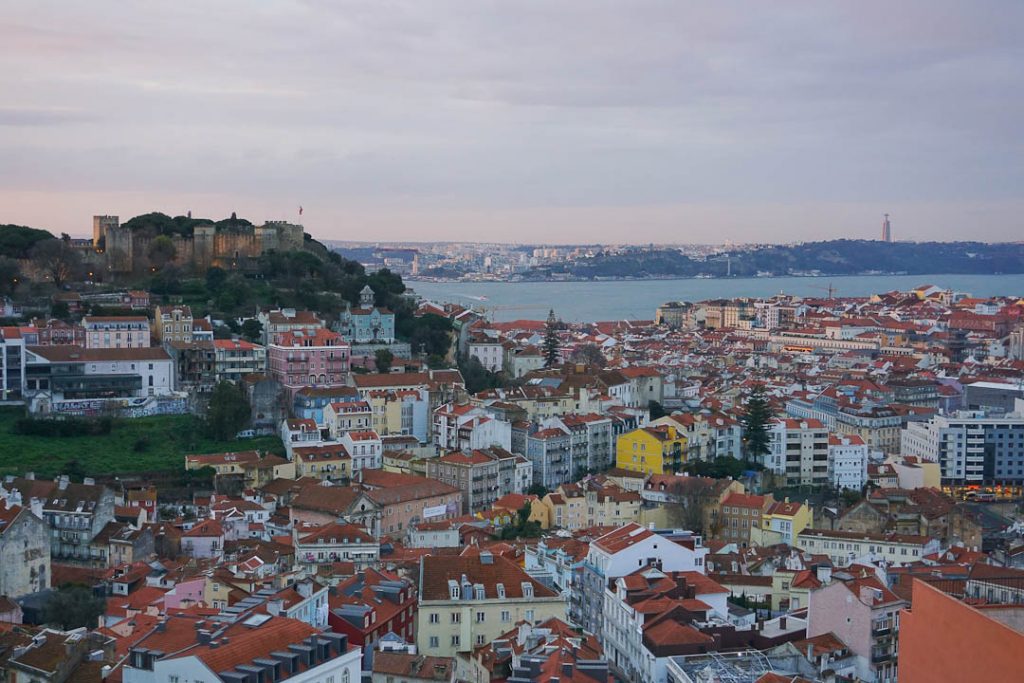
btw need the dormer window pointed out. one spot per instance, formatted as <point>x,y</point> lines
<point>501,591</point>
<point>527,590</point>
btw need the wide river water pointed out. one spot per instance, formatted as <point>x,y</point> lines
<point>637,299</point>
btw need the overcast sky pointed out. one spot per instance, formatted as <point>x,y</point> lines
<point>548,120</point>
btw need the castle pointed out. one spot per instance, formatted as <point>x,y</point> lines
<point>120,250</point>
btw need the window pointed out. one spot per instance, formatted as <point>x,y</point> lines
<point>505,616</point>
<point>480,617</point>
<point>435,618</point>
<point>529,615</point>
<point>456,617</point>
<point>481,639</point>
<point>455,641</point>
<point>433,642</point>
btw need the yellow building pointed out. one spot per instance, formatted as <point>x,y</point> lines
<point>513,502</point>
<point>468,601</point>
<point>651,450</point>
<point>331,462</point>
<point>781,523</point>
<point>250,468</point>
<point>612,506</point>
<point>566,507</point>
<point>791,589</point>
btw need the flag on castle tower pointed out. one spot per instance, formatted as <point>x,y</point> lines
<point>300,210</point>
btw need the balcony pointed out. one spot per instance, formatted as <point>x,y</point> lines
<point>881,657</point>
<point>880,629</point>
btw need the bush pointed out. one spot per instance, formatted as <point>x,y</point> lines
<point>141,444</point>
<point>67,427</point>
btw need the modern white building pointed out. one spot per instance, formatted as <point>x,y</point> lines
<point>847,462</point>
<point>59,375</point>
<point>971,447</point>
<point>798,450</point>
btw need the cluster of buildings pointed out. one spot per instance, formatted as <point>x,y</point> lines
<point>556,527</point>
<point>158,359</point>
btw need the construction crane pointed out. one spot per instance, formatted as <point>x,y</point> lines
<point>488,311</point>
<point>830,289</point>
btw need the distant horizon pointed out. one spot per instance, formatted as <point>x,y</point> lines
<point>297,220</point>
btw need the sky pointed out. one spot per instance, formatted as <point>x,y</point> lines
<point>554,121</point>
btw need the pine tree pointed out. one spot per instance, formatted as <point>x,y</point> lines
<point>756,415</point>
<point>551,341</point>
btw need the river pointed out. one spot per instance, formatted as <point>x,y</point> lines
<point>637,299</point>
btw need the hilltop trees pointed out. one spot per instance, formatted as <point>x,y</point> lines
<point>161,251</point>
<point>10,276</point>
<point>56,259</point>
<point>16,241</point>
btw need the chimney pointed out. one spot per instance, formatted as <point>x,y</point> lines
<point>567,670</point>
<point>31,476</point>
<point>36,506</point>
<point>88,481</point>
<point>275,606</point>
<point>782,623</point>
<point>203,637</point>
<point>810,652</point>
<point>62,482</point>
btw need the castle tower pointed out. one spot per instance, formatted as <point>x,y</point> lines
<point>100,225</point>
<point>366,297</point>
<point>203,239</point>
<point>119,247</point>
<point>886,230</point>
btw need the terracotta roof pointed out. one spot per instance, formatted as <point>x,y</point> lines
<point>413,666</point>
<point>337,533</point>
<point>436,572</point>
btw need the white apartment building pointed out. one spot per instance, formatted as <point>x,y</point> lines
<point>843,547</point>
<point>365,448</point>
<point>623,629</point>
<point>623,551</point>
<point>798,450</point>
<point>490,353</point>
<point>971,447</point>
<point>847,462</point>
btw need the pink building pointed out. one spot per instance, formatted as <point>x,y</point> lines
<point>185,594</point>
<point>317,358</point>
<point>116,332</point>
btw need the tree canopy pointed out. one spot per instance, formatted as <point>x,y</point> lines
<point>73,606</point>
<point>16,241</point>
<point>228,412</point>
<point>550,347</point>
<point>757,413</point>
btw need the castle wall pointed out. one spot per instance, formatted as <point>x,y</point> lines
<point>126,251</point>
